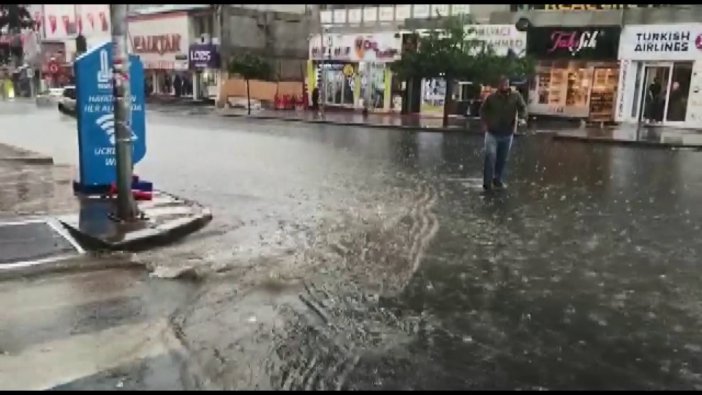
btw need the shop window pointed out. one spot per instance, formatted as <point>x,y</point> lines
<point>564,84</point>
<point>373,84</point>
<point>339,87</point>
<point>603,93</point>
<point>679,91</point>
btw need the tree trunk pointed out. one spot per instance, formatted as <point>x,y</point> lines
<point>447,101</point>
<point>248,96</point>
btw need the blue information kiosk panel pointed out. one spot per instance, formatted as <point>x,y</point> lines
<point>95,115</point>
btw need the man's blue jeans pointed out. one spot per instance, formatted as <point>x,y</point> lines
<point>496,153</point>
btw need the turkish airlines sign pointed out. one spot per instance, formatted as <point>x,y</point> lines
<point>681,41</point>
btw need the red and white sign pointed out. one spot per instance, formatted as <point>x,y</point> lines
<point>378,47</point>
<point>161,41</point>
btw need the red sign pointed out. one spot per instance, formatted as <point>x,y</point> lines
<point>91,20</point>
<point>66,22</point>
<point>160,44</point>
<point>53,68</point>
<point>103,21</point>
<point>52,23</point>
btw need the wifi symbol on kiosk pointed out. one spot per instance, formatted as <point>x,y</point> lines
<point>107,124</point>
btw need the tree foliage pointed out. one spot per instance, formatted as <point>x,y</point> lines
<point>448,51</point>
<point>250,67</point>
<point>15,17</point>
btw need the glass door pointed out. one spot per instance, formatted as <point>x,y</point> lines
<point>654,86</point>
<point>678,92</point>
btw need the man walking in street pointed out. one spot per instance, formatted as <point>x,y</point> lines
<point>497,117</point>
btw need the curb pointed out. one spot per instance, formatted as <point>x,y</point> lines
<point>27,157</point>
<point>147,240</point>
<point>629,143</point>
<point>69,265</point>
<point>355,124</point>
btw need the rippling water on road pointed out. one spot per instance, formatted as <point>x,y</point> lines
<point>347,258</point>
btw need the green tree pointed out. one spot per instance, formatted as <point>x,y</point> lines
<point>14,18</point>
<point>250,67</point>
<point>447,52</point>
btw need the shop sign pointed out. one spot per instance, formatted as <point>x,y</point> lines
<point>203,56</point>
<point>380,47</point>
<point>370,48</point>
<point>331,53</point>
<point>589,43</point>
<point>502,38</point>
<point>661,42</point>
<point>159,44</point>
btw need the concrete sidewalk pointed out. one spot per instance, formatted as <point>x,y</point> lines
<point>646,136</point>
<point>31,185</point>
<point>350,118</point>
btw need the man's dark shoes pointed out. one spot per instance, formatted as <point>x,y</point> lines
<point>499,184</point>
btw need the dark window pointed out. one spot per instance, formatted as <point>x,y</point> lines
<point>69,93</point>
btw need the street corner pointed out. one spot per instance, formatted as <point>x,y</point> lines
<point>10,153</point>
<point>164,220</point>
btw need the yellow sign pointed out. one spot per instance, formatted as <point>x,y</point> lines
<point>348,70</point>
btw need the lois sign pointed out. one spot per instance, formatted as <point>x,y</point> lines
<point>203,56</point>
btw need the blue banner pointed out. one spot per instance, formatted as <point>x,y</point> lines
<point>95,114</point>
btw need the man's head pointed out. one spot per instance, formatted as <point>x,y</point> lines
<point>503,84</point>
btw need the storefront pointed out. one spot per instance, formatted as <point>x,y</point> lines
<point>355,68</point>
<point>204,63</point>
<point>576,73</point>
<point>162,43</point>
<point>661,75</point>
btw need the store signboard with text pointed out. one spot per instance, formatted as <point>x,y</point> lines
<point>682,41</point>
<point>203,56</point>
<point>577,43</point>
<point>378,47</point>
<point>162,42</point>
<point>502,38</point>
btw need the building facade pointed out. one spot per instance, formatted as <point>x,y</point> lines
<point>661,75</point>
<point>576,71</point>
<point>355,70</point>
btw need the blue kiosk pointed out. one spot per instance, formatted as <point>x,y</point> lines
<point>96,123</point>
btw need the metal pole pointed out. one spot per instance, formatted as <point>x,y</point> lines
<point>323,75</point>
<point>126,207</point>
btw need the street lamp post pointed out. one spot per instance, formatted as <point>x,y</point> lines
<point>126,207</point>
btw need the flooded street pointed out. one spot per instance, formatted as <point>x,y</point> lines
<point>352,258</point>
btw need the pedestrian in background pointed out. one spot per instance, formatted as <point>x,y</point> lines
<point>498,116</point>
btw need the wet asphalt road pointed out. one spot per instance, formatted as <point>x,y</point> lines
<point>349,258</point>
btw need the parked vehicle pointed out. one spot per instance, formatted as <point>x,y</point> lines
<point>67,101</point>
